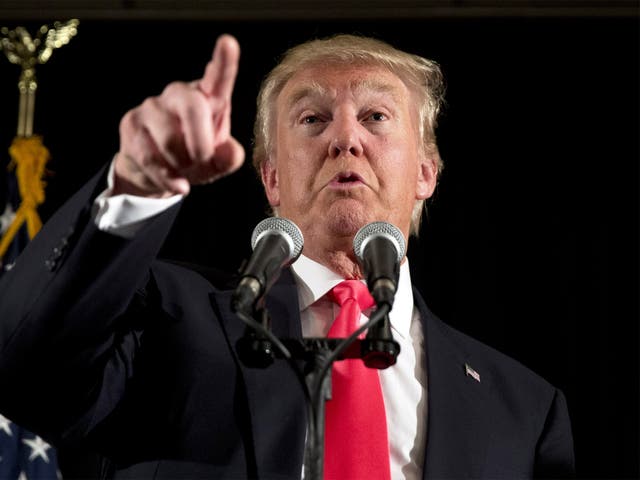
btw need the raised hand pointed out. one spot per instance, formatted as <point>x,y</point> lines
<point>182,137</point>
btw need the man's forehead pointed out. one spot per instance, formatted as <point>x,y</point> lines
<point>311,83</point>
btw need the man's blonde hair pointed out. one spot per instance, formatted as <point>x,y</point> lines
<point>422,76</point>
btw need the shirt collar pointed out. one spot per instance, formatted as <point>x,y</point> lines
<point>314,280</point>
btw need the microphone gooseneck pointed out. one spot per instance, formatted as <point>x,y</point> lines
<point>276,242</point>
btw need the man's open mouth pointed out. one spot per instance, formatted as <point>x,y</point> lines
<point>346,178</point>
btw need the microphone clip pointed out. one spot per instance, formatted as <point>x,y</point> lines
<point>254,348</point>
<point>378,349</point>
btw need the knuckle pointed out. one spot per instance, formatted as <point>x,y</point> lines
<point>175,89</point>
<point>128,122</point>
<point>150,104</point>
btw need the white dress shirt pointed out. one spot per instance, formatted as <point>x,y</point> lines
<point>404,385</point>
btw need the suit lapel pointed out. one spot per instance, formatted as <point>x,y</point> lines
<point>458,422</point>
<point>274,398</point>
<point>282,305</point>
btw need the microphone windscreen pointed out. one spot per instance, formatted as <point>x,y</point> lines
<point>283,227</point>
<point>379,229</point>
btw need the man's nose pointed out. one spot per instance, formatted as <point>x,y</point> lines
<point>346,138</point>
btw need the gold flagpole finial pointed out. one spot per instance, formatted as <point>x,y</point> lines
<point>26,51</point>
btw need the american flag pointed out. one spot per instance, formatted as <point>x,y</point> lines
<point>23,455</point>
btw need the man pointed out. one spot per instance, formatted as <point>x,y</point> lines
<point>142,353</point>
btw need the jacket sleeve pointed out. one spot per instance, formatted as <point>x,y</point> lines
<point>554,452</point>
<point>66,347</point>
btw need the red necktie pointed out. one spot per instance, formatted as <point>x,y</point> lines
<point>356,445</point>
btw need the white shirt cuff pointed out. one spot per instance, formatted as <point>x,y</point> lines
<point>124,215</point>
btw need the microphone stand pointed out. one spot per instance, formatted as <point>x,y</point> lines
<point>377,350</point>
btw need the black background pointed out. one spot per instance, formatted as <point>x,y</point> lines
<point>531,241</point>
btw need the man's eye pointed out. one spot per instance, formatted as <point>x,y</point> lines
<point>310,119</point>
<point>378,116</point>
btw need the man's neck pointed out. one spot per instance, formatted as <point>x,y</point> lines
<point>342,263</point>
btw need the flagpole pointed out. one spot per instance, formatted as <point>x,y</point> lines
<point>28,153</point>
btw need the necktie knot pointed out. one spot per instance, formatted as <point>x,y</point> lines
<point>354,290</point>
<point>353,298</point>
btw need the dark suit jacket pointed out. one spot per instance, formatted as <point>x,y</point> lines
<point>102,343</point>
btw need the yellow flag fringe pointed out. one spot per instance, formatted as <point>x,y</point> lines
<point>28,157</point>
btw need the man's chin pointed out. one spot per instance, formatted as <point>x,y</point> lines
<point>345,218</point>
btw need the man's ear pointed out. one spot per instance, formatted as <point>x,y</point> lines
<point>427,172</point>
<point>269,174</point>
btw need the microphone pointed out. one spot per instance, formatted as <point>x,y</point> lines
<point>276,243</point>
<point>379,247</point>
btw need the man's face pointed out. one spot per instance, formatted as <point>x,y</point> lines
<point>347,152</point>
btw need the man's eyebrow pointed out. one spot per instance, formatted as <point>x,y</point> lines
<point>312,89</point>
<point>376,86</point>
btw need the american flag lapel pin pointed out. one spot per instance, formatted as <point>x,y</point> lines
<point>471,372</point>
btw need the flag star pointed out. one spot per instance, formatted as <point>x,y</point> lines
<point>38,448</point>
<point>23,476</point>
<point>5,425</point>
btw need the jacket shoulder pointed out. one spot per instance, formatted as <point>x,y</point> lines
<point>508,374</point>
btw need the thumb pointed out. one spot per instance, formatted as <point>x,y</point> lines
<point>229,157</point>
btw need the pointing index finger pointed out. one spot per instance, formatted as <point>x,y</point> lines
<point>220,73</point>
